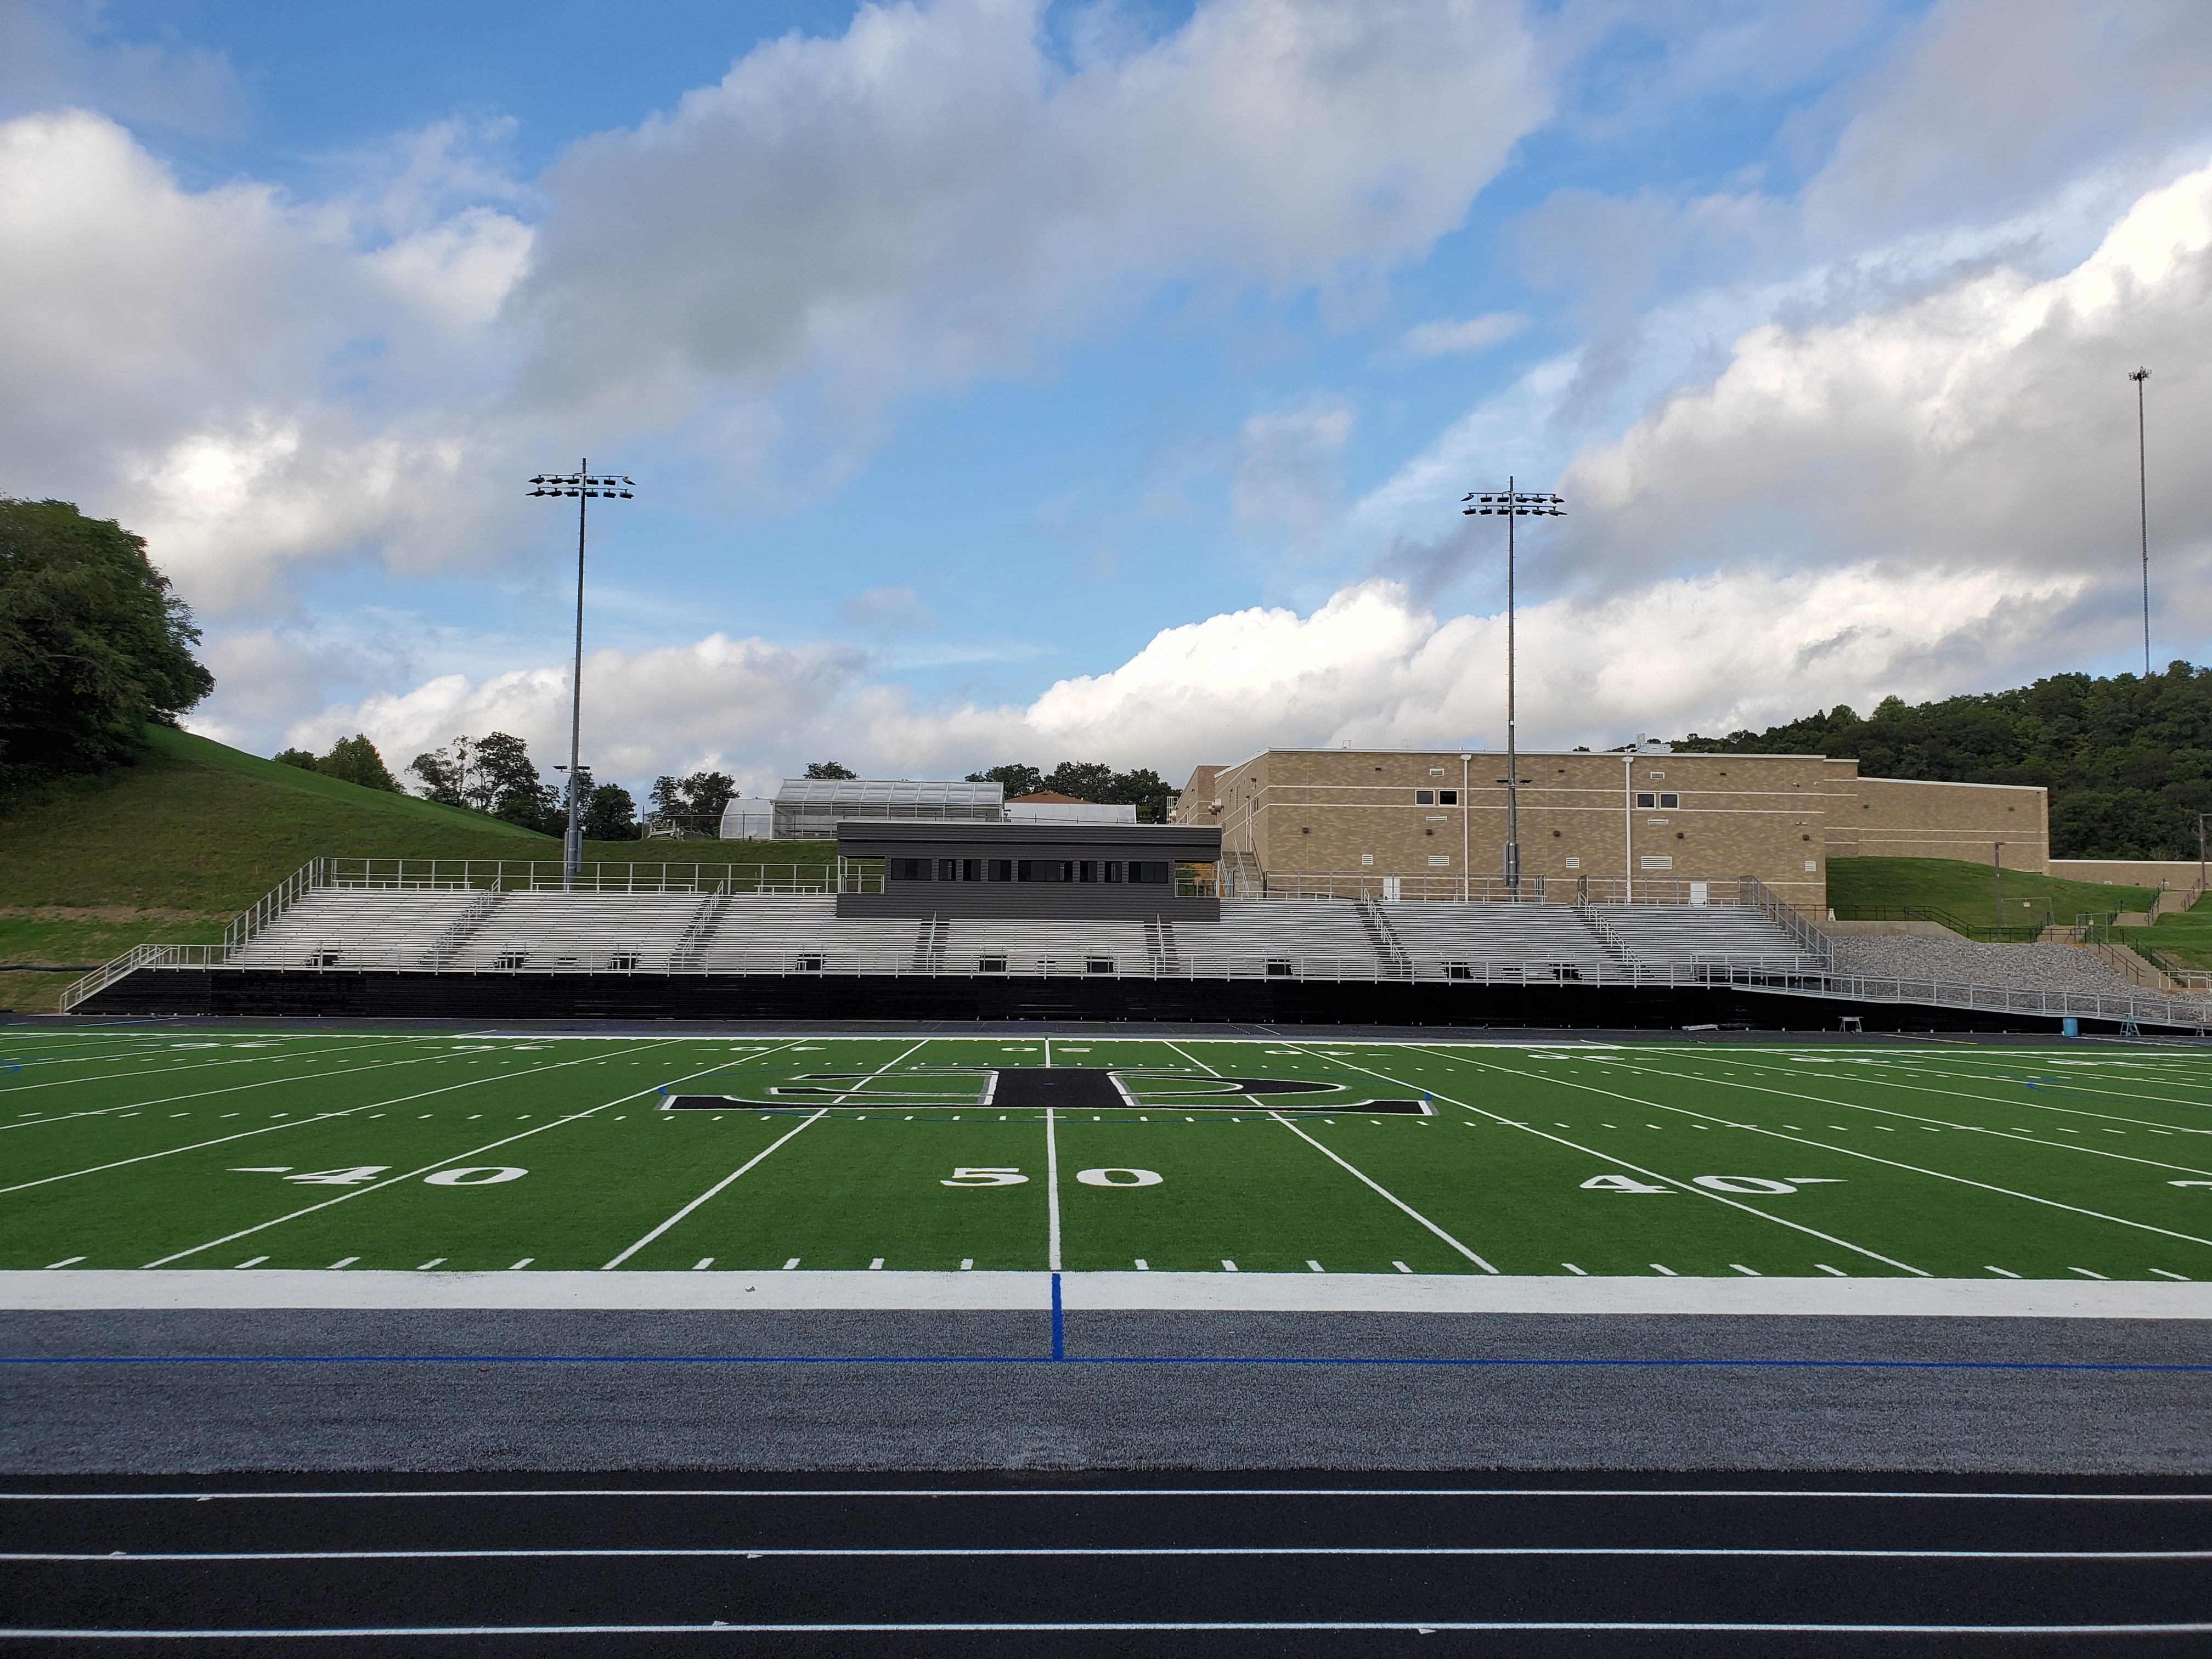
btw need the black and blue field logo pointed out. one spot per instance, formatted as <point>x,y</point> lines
<point>1061,1088</point>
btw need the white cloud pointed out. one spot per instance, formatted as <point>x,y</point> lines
<point>1285,471</point>
<point>1445,338</point>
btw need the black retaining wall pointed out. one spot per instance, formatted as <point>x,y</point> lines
<point>256,992</point>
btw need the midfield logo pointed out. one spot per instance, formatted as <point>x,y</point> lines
<point>1062,1088</point>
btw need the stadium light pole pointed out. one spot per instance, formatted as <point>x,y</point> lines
<point>2142,504</point>
<point>1511,504</point>
<point>584,487</point>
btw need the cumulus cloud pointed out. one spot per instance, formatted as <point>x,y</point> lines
<point>929,196</point>
<point>1746,645</point>
<point>1445,338</point>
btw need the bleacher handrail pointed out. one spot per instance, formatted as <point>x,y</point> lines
<point>1785,916</point>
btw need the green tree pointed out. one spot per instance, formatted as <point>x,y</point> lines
<point>508,780</point>
<point>1084,780</point>
<point>695,802</point>
<point>93,644</point>
<point>299,758</point>
<point>829,769</point>
<point>355,760</point>
<point>443,774</point>
<point>609,814</point>
<point>1018,780</point>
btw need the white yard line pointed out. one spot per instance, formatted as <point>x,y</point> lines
<point>207,1094</point>
<point>1964,1128</point>
<point>1607,1157</point>
<point>1871,1157</point>
<point>757,1158</point>
<point>393,1181</point>
<point>274,1128</point>
<point>1890,1075</point>
<point>190,1065</point>
<point>1357,1175</point>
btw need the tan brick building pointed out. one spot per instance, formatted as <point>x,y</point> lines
<point>1656,820</point>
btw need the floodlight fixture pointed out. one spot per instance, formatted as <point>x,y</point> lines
<point>581,486</point>
<point>1512,504</point>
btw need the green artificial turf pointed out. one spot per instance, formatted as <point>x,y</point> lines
<point>1864,888</point>
<point>135,1149</point>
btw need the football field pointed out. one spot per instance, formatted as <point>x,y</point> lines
<point>437,1153</point>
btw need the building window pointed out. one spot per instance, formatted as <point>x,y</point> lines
<point>1001,869</point>
<point>1645,797</point>
<point>1047,870</point>
<point>1658,860</point>
<point>1658,774</point>
<point>910,869</point>
<point>1446,797</point>
<point>1367,857</point>
<point>1424,798</point>
<point>1439,859</point>
<point>1670,802</point>
<point>1435,771</point>
<point>1153,871</point>
<point>1574,864</point>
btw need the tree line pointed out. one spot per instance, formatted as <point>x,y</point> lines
<point>2128,759</point>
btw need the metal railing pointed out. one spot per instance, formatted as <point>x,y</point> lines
<point>1769,975</point>
<point>1492,890</point>
<point>643,876</point>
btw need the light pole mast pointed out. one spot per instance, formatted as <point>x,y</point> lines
<point>2142,502</point>
<point>584,488</point>
<point>1511,504</point>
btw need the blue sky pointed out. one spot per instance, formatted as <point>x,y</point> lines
<point>1019,382</point>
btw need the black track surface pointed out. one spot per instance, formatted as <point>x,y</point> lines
<point>1336,1566</point>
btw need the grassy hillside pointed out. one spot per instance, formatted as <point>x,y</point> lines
<point>1860,889</point>
<point>170,848</point>
<point>2183,939</point>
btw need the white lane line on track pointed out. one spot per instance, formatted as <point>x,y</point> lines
<point>1872,1157</point>
<point>1357,1175</point>
<point>1607,1157</point>
<point>756,1158</point>
<point>2082,1084</point>
<point>1139,1552</point>
<point>1421,1626</point>
<point>842,1494</point>
<point>393,1181</point>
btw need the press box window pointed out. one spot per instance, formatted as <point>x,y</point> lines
<point>1424,798</point>
<point>1645,797</point>
<point>1670,802</point>
<point>1446,797</point>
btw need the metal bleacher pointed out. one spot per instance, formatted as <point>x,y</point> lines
<point>1282,939</point>
<point>357,927</point>
<point>1533,942</point>
<point>1047,947</point>
<point>1733,936</point>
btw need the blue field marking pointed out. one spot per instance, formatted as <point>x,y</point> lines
<point>1525,1362</point>
<point>1058,1322</point>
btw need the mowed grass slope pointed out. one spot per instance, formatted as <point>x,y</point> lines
<point>439,1153</point>
<point>1858,888</point>
<point>170,849</point>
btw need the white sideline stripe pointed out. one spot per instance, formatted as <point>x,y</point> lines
<point>738,1553</point>
<point>748,1164</point>
<point>1422,1627</point>
<point>81,1289</point>
<point>1078,1494</point>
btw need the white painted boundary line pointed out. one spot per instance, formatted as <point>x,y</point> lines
<point>103,1289</point>
<point>1412,1626</point>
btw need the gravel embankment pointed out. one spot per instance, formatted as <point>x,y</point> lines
<point>2008,967</point>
